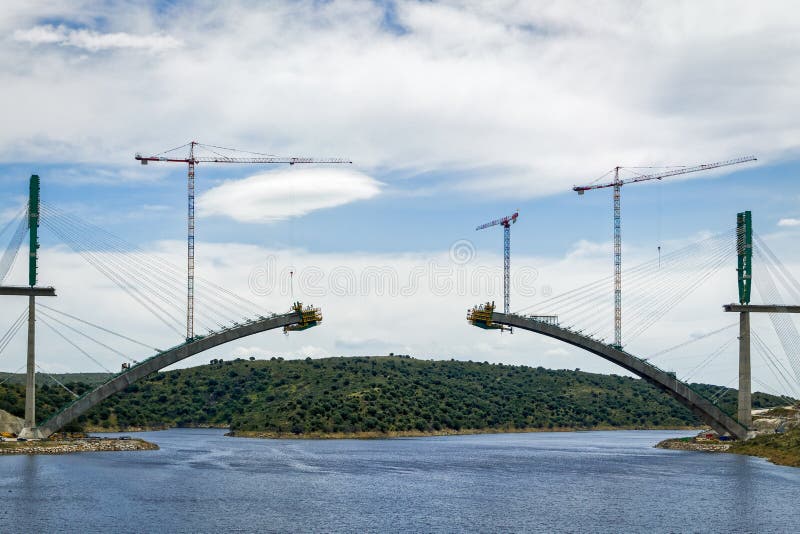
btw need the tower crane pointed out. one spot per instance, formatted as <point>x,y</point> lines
<point>192,160</point>
<point>506,223</point>
<point>617,185</point>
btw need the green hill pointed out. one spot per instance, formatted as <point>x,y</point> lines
<point>378,395</point>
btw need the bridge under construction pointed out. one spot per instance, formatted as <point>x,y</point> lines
<point>578,317</point>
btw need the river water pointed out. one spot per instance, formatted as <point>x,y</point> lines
<point>201,481</point>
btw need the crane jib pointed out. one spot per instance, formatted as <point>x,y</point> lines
<point>290,161</point>
<point>674,172</point>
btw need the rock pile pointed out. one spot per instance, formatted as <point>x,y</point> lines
<point>76,445</point>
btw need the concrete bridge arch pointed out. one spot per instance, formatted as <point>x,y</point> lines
<point>668,382</point>
<point>297,319</point>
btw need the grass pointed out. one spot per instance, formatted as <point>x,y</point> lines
<point>780,449</point>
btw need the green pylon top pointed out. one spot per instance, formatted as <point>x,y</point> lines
<point>33,226</point>
<point>744,249</point>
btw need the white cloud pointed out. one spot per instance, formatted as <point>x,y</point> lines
<point>94,41</point>
<point>286,193</point>
<point>789,221</point>
<point>511,98</point>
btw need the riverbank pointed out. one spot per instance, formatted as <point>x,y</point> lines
<point>780,449</point>
<point>777,439</point>
<point>73,445</point>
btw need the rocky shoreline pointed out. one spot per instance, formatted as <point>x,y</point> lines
<point>73,445</point>
<point>694,444</point>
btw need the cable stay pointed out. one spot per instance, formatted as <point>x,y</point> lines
<point>57,381</point>
<point>87,336</point>
<point>154,279</point>
<point>782,323</point>
<point>654,288</point>
<point>102,328</point>
<point>723,390</point>
<point>691,341</point>
<point>74,345</point>
<point>763,248</point>
<point>769,389</point>
<point>782,375</point>
<point>13,329</point>
<point>11,375</point>
<point>12,250</point>
<point>13,220</point>
<point>710,358</point>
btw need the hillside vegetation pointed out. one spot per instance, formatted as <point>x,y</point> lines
<point>377,396</point>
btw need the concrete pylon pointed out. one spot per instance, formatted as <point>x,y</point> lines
<point>745,397</point>
<point>30,377</point>
<point>30,430</point>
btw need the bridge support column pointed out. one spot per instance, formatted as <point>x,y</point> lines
<point>745,400</point>
<point>30,378</point>
<point>29,431</point>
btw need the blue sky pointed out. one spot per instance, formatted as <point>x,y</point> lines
<point>401,220</point>
<point>454,113</point>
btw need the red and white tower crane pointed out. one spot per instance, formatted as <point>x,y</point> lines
<point>193,159</point>
<point>617,185</point>
<point>506,223</point>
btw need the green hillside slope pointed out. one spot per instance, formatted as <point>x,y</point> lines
<point>378,395</point>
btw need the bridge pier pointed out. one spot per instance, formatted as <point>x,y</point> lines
<point>30,377</point>
<point>745,411</point>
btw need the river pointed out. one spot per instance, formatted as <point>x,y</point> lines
<point>201,481</point>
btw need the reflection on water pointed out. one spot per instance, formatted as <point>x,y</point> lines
<point>201,481</point>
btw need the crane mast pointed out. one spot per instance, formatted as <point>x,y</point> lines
<point>192,160</point>
<point>190,245</point>
<point>506,223</point>
<point>617,188</point>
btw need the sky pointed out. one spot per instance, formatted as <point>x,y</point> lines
<point>453,114</point>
